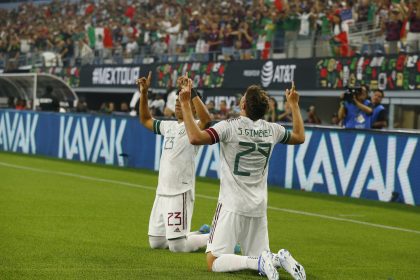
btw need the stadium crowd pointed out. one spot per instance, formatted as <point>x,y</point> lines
<point>93,31</point>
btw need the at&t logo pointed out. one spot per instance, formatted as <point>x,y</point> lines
<point>271,73</point>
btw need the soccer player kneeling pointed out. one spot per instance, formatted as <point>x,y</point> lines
<point>170,220</point>
<point>246,145</point>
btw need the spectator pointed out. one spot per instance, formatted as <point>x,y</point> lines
<point>340,41</point>
<point>379,119</point>
<point>193,31</point>
<point>286,115</point>
<point>13,51</point>
<point>270,32</point>
<point>111,107</point>
<point>304,27</point>
<point>123,110</point>
<point>246,39</point>
<point>172,29</point>
<point>227,35</point>
<point>66,51</point>
<point>212,110</point>
<point>107,41</point>
<point>157,105</point>
<point>20,104</point>
<point>213,40</point>
<point>235,107</point>
<point>159,47</point>
<point>181,41</point>
<point>334,119</point>
<point>82,106</point>
<point>291,26</point>
<point>223,113</point>
<point>356,112</point>
<point>202,48</point>
<point>363,11</point>
<point>323,31</point>
<point>413,35</point>
<point>312,116</point>
<point>3,48</point>
<point>48,101</point>
<point>273,111</point>
<point>99,46</point>
<point>85,53</point>
<point>104,109</point>
<point>131,47</point>
<point>25,44</point>
<point>393,27</point>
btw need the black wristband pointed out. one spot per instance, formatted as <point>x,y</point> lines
<point>193,93</point>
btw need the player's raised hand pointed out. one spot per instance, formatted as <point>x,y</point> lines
<point>185,93</point>
<point>144,83</point>
<point>292,96</point>
<point>181,81</point>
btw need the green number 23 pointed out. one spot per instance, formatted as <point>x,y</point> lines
<point>262,148</point>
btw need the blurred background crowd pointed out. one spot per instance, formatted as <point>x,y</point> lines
<point>120,31</point>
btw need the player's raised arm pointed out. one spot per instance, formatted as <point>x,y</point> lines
<point>298,132</point>
<point>195,134</point>
<point>144,113</point>
<point>200,108</point>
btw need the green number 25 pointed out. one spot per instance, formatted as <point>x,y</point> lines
<point>262,148</point>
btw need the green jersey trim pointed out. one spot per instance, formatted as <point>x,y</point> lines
<point>286,137</point>
<point>156,127</point>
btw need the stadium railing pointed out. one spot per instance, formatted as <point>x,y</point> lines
<point>361,42</point>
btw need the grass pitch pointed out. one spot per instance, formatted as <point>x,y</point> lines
<point>68,220</point>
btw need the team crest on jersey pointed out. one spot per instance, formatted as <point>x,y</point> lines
<point>181,132</point>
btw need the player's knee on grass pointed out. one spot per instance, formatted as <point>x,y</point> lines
<point>158,242</point>
<point>210,261</point>
<point>177,245</point>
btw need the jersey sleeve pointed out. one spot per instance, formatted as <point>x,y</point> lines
<point>159,127</point>
<point>220,132</point>
<point>281,134</point>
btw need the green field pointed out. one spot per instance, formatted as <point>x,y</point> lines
<point>68,220</point>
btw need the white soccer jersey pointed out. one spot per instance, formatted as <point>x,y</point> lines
<point>177,162</point>
<point>245,150</point>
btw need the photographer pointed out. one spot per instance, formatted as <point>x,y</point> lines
<point>379,119</point>
<point>355,109</point>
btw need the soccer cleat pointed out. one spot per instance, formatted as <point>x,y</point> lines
<point>266,267</point>
<point>285,260</point>
<point>204,229</point>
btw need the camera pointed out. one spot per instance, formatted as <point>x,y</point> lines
<point>350,92</point>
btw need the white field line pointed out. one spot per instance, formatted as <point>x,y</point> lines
<point>351,215</point>
<point>132,185</point>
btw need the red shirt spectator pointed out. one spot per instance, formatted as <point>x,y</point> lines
<point>130,11</point>
<point>89,9</point>
<point>107,37</point>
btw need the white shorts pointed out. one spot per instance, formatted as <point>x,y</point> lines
<point>171,215</point>
<point>229,228</point>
